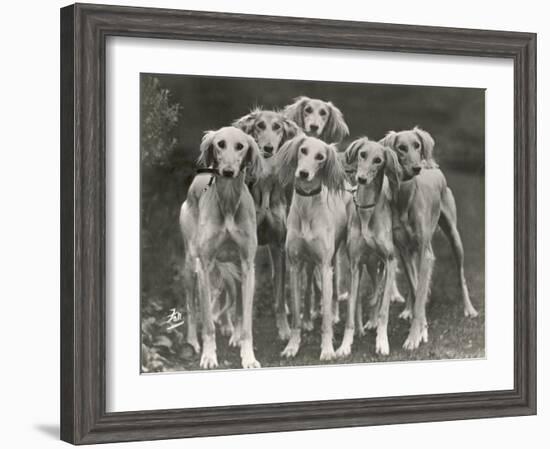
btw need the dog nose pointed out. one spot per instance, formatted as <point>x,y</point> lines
<point>417,169</point>
<point>268,149</point>
<point>361,180</point>
<point>228,173</point>
<point>303,174</point>
<point>313,128</point>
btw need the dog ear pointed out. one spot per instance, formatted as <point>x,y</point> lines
<point>353,148</point>
<point>290,130</point>
<point>253,159</point>
<point>286,159</point>
<point>295,111</point>
<point>389,140</point>
<point>392,169</point>
<point>427,147</point>
<point>246,123</point>
<point>336,128</point>
<point>332,173</point>
<point>206,158</point>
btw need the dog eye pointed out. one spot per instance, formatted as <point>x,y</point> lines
<point>319,157</point>
<point>377,160</point>
<point>322,112</point>
<point>303,150</point>
<point>239,146</point>
<point>309,110</point>
<point>276,126</point>
<point>417,145</point>
<point>362,154</point>
<point>402,148</point>
<point>261,125</point>
<point>221,143</point>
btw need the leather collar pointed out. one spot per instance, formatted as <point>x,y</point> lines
<point>311,193</point>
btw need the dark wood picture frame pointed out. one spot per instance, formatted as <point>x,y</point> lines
<point>84,29</point>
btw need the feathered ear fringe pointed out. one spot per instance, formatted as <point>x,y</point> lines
<point>246,123</point>
<point>290,130</point>
<point>336,128</point>
<point>286,159</point>
<point>427,147</point>
<point>294,111</point>
<point>332,173</point>
<point>393,171</point>
<point>206,158</point>
<point>254,160</point>
<point>389,140</point>
<point>353,148</point>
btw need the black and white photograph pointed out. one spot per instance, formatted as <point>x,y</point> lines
<point>292,223</point>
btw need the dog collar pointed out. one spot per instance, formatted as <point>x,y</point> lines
<point>311,193</point>
<point>210,170</point>
<point>360,206</point>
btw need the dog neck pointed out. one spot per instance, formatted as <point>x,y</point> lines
<point>367,196</point>
<point>228,192</point>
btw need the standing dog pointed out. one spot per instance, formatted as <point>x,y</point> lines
<point>271,129</point>
<point>323,120</point>
<point>424,202</point>
<point>219,213</point>
<point>369,236</point>
<point>316,226</point>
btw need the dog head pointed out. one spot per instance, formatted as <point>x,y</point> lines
<point>270,129</point>
<point>414,149</point>
<point>310,161</point>
<point>318,118</point>
<point>373,160</point>
<point>230,151</point>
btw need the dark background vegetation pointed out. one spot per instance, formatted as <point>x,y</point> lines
<point>177,109</point>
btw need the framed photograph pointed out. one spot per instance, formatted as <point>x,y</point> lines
<point>274,223</point>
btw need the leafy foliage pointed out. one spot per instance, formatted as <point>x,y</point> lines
<point>158,120</point>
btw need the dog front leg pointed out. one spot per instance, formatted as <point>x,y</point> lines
<point>327,348</point>
<point>382,343</point>
<point>247,347</point>
<point>279,268</point>
<point>347,341</point>
<point>208,358</point>
<point>293,344</point>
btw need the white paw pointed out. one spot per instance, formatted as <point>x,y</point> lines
<point>343,296</point>
<point>371,324</point>
<point>382,344</point>
<point>307,325</point>
<point>417,334</point>
<point>343,351</point>
<point>406,314</point>
<point>283,329</point>
<point>397,297</point>
<point>209,360</point>
<point>235,340</point>
<point>327,354</point>
<point>470,312</point>
<point>293,344</point>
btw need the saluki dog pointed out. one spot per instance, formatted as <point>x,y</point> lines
<point>323,120</point>
<point>369,235</point>
<point>271,129</point>
<point>424,202</point>
<point>219,216</point>
<point>316,226</point>
<point>318,118</point>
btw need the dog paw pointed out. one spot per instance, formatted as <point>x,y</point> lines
<point>417,334</point>
<point>283,329</point>
<point>343,351</point>
<point>360,331</point>
<point>343,296</point>
<point>327,354</point>
<point>470,312</point>
<point>291,350</point>
<point>371,324</point>
<point>195,345</point>
<point>336,318</point>
<point>226,330</point>
<point>251,363</point>
<point>235,340</point>
<point>406,314</point>
<point>209,361</point>
<point>382,344</point>
<point>307,325</point>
